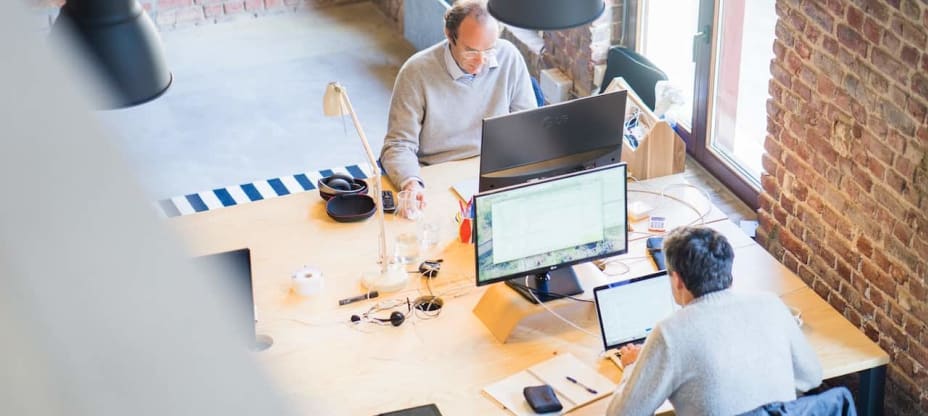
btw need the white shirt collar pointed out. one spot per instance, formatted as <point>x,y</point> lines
<point>456,72</point>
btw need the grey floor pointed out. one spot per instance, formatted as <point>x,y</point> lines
<point>246,103</point>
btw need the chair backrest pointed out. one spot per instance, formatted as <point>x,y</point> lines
<point>836,401</point>
<point>638,71</point>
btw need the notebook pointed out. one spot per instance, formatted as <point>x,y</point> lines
<point>553,372</point>
<point>628,310</point>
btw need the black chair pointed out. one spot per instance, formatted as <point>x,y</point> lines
<point>640,74</point>
<point>836,401</point>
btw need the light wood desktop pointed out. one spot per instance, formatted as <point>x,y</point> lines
<point>323,364</point>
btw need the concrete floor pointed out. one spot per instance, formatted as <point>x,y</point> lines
<point>246,103</point>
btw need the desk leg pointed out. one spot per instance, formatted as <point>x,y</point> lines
<point>872,385</point>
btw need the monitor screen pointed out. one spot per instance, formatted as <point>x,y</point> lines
<point>552,140</point>
<point>538,228</point>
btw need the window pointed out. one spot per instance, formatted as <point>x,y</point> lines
<point>723,72</point>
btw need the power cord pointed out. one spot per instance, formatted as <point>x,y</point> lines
<point>567,321</point>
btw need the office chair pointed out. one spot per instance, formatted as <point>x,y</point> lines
<point>640,74</point>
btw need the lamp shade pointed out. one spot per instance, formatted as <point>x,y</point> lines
<point>332,103</point>
<point>123,45</point>
<point>546,14</point>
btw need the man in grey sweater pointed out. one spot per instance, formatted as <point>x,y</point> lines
<point>725,352</point>
<point>443,93</point>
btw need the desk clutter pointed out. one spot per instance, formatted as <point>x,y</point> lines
<point>573,383</point>
<point>651,147</point>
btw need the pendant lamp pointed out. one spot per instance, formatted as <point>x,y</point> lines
<point>546,14</point>
<point>122,44</point>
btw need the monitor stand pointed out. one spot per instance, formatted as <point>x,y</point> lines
<point>561,282</point>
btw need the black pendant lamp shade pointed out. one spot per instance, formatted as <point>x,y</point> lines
<point>546,14</point>
<point>123,43</point>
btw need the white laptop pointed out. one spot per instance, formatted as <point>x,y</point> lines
<point>629,310</point>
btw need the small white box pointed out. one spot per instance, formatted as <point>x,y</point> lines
<point>555,85</point>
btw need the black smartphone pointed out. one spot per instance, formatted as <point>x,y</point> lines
<point>389,204</point>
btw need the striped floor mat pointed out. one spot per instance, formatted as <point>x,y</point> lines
<point>255,191</point>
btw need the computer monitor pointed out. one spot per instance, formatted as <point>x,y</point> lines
<point>552,140</point>
<point>234,270</point>
<point>538,229</point>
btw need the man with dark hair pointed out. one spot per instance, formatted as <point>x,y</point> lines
<point>724,352</point>
<point>443,93</point>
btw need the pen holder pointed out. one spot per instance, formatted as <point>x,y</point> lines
<point>466,230</point>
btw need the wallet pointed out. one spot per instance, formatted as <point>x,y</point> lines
<point>656,253</point>
<point>542,399</point>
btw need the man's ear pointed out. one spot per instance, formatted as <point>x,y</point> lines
<point>677,281</point>
<point>448,35</point>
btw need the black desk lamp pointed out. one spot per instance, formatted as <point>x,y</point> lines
<point>546,14</point>
<point>122,43</point>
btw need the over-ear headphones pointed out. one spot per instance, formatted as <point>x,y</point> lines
<point>341,182</point>
<point>396,317</point>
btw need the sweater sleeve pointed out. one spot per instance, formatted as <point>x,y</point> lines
<point>648,382</point>
<point>401,144</point>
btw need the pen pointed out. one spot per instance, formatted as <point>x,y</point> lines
<point>369,295</point>
<point>573,380</point>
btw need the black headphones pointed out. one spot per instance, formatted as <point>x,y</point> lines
<point>341,182</point>
<point>396,317</point>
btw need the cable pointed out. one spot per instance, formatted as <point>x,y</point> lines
<point>705,195</point>
<point>556,295</point>
<point>700,215</point>
<point>567,321</point>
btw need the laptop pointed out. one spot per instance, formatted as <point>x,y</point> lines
<point>234,269</point>
<point>628,310</point>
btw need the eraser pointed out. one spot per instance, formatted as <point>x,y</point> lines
<point>638,210</point>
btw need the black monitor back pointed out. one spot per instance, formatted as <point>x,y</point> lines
<point>553,140</point>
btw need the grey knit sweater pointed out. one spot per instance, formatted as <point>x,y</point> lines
<point>437,110</point>
<point>723,354</point>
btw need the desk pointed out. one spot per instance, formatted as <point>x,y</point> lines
<point>323,365</point>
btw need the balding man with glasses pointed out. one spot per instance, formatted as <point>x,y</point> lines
<point>443,93</point>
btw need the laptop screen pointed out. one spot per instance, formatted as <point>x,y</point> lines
<point>629,309</point>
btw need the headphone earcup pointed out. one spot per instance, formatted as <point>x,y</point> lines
<point>397,318</point>
<point>339,184</point>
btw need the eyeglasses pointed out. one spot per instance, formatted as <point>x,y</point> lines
<point>486,53</point>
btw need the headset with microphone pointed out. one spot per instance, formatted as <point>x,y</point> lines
<point>396,317</point>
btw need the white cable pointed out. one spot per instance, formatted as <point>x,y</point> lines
<point>705,195</point>
<point>568,322</point>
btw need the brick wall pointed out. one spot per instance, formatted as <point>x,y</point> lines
<point>845,195</point>
<point>577,51</point>
<point>172,14</point>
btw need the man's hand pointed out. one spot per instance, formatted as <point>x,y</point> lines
<point>629,353</point>
<point>417,193</point>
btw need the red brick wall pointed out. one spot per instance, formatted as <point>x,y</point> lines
<point>845,195</point>
<point>171,14</point>
<point>576,51</point>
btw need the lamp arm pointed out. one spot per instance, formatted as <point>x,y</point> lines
<point>357,125</point>
<point>376,186</point>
